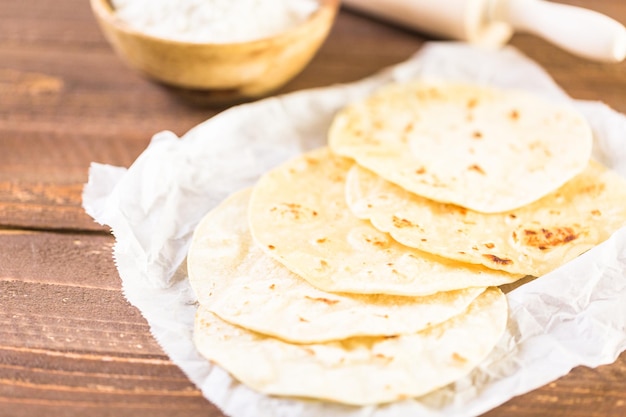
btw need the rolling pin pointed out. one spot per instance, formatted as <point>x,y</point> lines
<point>580,31</point>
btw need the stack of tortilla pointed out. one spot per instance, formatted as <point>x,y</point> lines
<point>367,271</point>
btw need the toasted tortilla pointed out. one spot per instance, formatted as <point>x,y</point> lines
<point>358,371</point>
<point>478,147</point>
<point>532,240</point>
<point>236,280</point>
<point>298,215</point>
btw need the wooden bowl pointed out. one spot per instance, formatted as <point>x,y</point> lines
<point>233,70</point>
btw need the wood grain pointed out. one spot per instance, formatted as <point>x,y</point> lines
<point>70,344</point>
<point>69,341</point>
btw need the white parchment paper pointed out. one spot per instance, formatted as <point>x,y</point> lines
<point>573,316</point>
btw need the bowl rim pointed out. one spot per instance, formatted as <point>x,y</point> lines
<point>104,10</point>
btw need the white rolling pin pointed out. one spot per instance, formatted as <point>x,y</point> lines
<point>580,31</point>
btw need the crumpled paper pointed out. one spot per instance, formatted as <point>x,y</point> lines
<point>573,316</point>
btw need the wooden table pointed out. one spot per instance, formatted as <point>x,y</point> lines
<point>70,344</point>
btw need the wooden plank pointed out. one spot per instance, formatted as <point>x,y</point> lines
<point>70,344</point>
<point>44,206</point>
<point>45,381</point>
<point>65,259</point>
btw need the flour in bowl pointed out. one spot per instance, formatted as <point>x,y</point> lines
<point>214,21</point>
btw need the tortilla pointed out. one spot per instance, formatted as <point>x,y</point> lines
<point>478,147</point>
<point>533,240</point>
<point>359,371</point>
<point>299,217</point>
<point>236,280</point>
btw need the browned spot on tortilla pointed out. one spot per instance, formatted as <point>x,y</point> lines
<point>594,189</point>
<point>477,135</point>
<point>337,178</point>
<point>293,211</point>
<point>514,114</point>
<point>596,212</point>
<point>383,357</point>
<point>271,247</point>
<point>471,103</point>
<point>322,299</point>
<point>489,245</point>
<point>376,242</point>
<point>420,171</point>
<point>321,240</point>
<point>302,319</point>
<point>476,168</point>
<point>513,216</point>
<point>408,128</point>
<point>401,223</point>
<point>497,260</point>
<point>458,358</point>
<point>545,238</point>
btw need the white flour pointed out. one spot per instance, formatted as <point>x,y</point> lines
<point>217,21</point>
